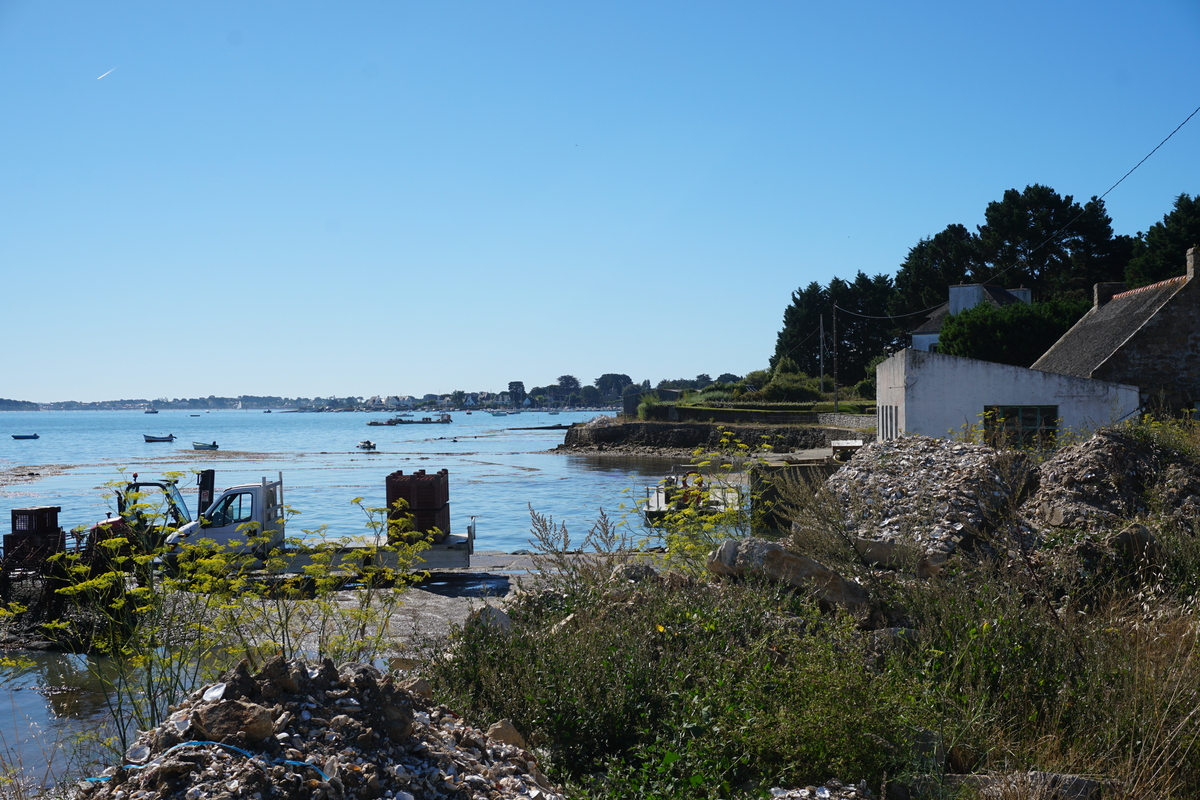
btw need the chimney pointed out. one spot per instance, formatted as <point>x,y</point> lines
<point>1191,257</point>
<point>1104,292</point>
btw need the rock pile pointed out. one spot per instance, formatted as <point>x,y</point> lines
<point>832,790</point>
<point>929,492</point>
<point>936,494</point>
<point>1108,478</point>
<point>296,730</point>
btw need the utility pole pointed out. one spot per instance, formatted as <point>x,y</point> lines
<point>833,312</point>
<point>822,357</point>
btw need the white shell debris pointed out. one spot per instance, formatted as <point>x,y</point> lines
<point>387,742</point>
<point>928,492</point>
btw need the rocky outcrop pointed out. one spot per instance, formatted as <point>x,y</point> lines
<point>606,433</point>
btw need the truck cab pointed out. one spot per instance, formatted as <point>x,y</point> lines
<point>146,512</point>
<point>241,512</point>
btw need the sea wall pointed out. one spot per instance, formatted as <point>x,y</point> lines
<point>637,435</point>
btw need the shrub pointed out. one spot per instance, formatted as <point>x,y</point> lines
<point>790,387</point>
<point>684,686</point>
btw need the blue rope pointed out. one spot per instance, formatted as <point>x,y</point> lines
<point>245,753</point>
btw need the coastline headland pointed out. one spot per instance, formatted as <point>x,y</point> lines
<point>681,438</point>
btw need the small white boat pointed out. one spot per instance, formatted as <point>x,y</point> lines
<point>365,444</point>
<point>168,438</point>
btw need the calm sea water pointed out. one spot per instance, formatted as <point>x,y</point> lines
<point>496,474</point>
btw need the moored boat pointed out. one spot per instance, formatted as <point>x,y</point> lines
<point>25,436</point>
<point>688,491</point>
<point>365,444</point>
<point>168,438</point>
<point>442,420</point>
<point>203,446</point>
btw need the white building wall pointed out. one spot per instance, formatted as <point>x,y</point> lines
<point>964,297</point>
<point>940,395</point>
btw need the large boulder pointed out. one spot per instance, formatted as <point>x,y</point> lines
<point>765,559</point>
<point>229,717</point>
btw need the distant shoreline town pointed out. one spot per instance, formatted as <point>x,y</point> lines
<point>471,400</point>
<point>606,391</point>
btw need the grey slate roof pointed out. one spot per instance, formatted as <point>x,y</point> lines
<point>999,297</point>
<point>1102,331</point>
<point>933,323</point>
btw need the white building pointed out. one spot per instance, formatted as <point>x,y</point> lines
<point>919,392</point>
<point>963,297</point>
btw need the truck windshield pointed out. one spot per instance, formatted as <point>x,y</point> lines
<point>175,499</point>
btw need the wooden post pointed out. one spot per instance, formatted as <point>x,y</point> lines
<point>822,356</point>
<point>836,409</point>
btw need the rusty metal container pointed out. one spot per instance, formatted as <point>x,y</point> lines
<point>428,501</point>
<point>35,534</point>
<point>419,490</point>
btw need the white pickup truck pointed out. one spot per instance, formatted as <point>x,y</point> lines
<point>257,508</point>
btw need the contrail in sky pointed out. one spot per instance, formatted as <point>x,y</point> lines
<point>106,73</point>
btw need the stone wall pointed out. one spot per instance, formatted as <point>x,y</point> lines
<point>688,435</point>
<point>750,416</point>
<point>847,421</point>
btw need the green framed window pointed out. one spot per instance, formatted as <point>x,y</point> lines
<point>1027,426</point>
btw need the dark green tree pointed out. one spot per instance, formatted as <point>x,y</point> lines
<point>728,377</point>
<point>932,266</point>
<point>568,384</point>
<point>516,392</point>
<point>1016,334</point>
<point>590,395</point>
<point>1162,253</point>
<point>801,323</point>
<point>864,328</point>
<point>612,383</point>
<point>1047,242</point>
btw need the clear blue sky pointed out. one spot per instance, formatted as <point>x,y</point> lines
<point>296,198</point>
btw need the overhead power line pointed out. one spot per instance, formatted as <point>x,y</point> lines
<point>889,316</point>
<point>1083,208</point>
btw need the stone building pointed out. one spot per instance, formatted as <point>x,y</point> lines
<point>1148,337</point>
